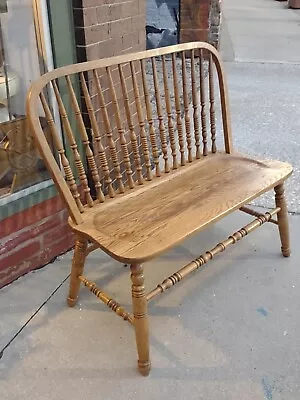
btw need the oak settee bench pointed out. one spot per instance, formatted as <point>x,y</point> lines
<point>133,153</point>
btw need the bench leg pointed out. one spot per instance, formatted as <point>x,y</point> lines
<point>77,268</point>
<point>139,304</point>
<point>283,222</point>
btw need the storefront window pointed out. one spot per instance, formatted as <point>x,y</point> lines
<point>20,64</point>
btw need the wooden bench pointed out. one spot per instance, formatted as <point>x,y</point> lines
<point>135,159</point>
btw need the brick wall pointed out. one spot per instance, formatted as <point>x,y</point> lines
<point>200,21</point>
<point>103,29</point>
<point>109,27</point>
<point>33,238</point>
<point>194,20</point>
<point>215,22</point>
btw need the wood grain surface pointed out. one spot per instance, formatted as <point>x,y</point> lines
<point>144,223</point>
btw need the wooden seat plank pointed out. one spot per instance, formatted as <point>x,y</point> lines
<point>153,219</point>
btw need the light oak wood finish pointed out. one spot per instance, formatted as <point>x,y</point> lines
<point>106,299</point>
<point>254,213</point>
<point>124,145</point>
<point>162,131</point>
<point>178,112</point>
<point>100,151</point>
<point>195,105</point>
<point>150,119</point>
<point>186,109</point>
<point>210,254</point>
<point>149,173</point>
<point>80,253</point>
<point>141,120</point>
<point>109,131</point>
<point>166,215</point>
<point>139,305</point>
<point>212,105</point>
<point>203,105</point>
<point>170,114</point>
<point>283,222</point>
<point>70,191</point>
<point>133,138</point>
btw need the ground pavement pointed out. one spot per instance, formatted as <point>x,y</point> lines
<point>229,333</point>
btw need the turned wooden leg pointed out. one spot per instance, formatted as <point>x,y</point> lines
<point>139,303</point>
<point>77,268</point>
<point>283,222</point>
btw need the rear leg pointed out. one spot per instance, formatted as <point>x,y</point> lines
<point>283,222</point>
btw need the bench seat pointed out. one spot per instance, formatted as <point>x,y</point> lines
<point>143,159</point>
<point>141,224</point>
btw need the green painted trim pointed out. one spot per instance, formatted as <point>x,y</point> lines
<point>64,52</point>
<point>27,201</point>
<point>62,32</point>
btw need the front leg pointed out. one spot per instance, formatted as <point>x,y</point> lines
<point>139,304</point>
<point>77,268</point>
<point>283,220</point>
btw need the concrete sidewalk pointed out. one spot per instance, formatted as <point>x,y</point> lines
<point>231,331</point>
<point>260,31</point>
<point>261,43</point>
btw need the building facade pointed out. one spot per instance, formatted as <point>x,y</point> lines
<point>179,21</point>
<point>37,36</point>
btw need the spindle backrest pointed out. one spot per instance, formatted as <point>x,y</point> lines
<point>137,117</point>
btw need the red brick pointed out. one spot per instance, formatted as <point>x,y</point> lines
<point>194,20</point>
<point>30,233</point>
<point>30,216</point>
<point>138,23</point>
<point>102,13</point>
<point>142,7</point>
<point>115,12</point>
<point>91,3</point>
<point>38,259</point>
<point>56,235</point>
<point>128,40</point>
<point>90,16</point>
<point>142,38</point>
<point>9,275</point>
<point>191,35</point>
<point>23,253</point>
<point>202,22</point>
<point>97,33</point>
<point>55,249</point>
<point>110,1</point>
<point>110,20</point>
<point>121,27</point>
<point>128,9</point>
